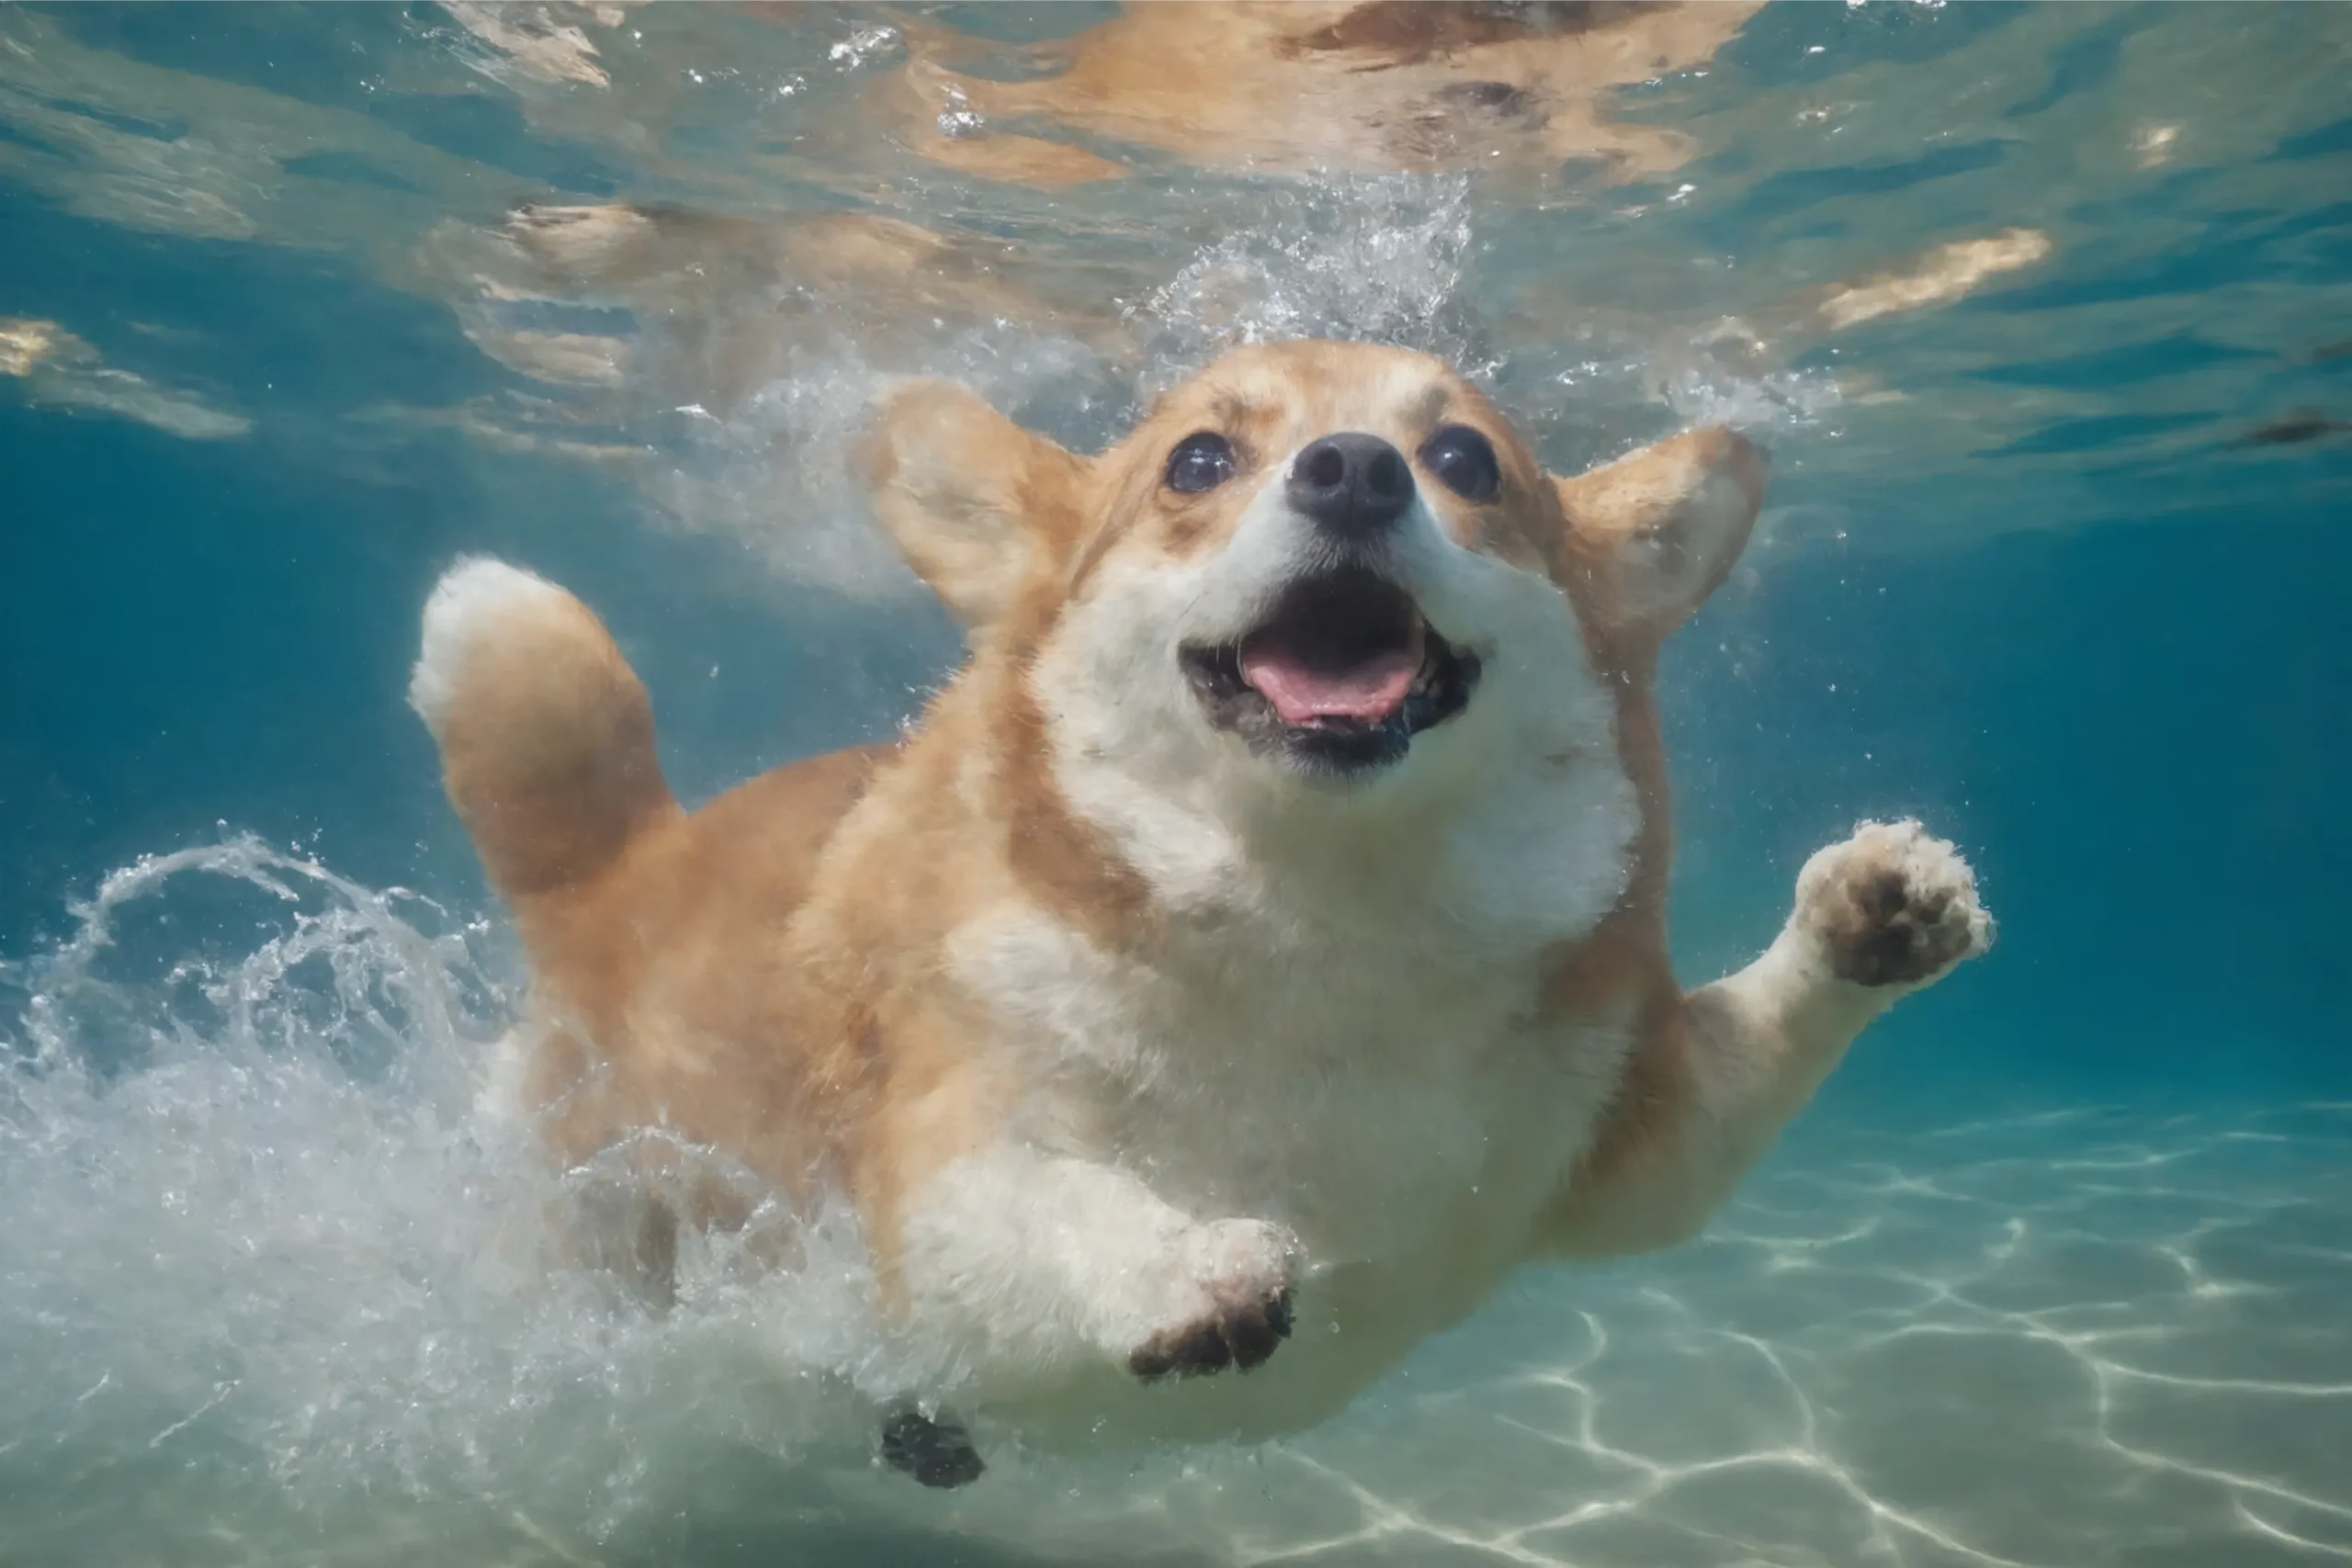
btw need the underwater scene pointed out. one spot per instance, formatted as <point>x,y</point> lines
<point>2036,321</point>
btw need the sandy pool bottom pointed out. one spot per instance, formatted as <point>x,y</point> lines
<point>2084,1338</point>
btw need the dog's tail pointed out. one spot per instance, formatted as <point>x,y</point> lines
<point>546,735</point>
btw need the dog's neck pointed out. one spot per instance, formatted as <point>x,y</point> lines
<point>1511,861</point>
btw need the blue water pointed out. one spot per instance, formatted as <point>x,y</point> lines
<point>2052,1273</point>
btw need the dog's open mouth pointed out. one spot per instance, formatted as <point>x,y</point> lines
<point>1344,673</point>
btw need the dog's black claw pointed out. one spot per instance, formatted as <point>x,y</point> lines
<point>936,1453</point>
<point>1241,1338</point>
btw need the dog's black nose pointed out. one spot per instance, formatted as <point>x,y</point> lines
<point>1352,484</point>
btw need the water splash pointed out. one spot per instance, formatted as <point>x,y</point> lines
<point>1381,258</point>
<point>266,1262</point>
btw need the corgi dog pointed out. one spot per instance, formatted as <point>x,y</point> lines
<point>1258,951</point>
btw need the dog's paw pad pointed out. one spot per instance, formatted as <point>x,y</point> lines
<point>1233,1308</point>
<point>1892,906</point>
<point>1240,1335</point>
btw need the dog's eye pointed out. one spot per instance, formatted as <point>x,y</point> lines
<point>1466,461</point>
<point>1201,461</point>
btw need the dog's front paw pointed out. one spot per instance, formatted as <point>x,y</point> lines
<point>1892,905</point>
<point>1232,1306</point>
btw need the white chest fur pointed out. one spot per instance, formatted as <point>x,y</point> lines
<point>1348,1048</point>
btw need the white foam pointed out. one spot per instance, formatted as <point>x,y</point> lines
<point>1377,257</point>
<point>265,1266</point>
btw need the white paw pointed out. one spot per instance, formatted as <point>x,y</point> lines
<point>1892,905</point>
<point>1232,1307</point>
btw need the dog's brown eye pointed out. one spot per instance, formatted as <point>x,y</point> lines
<point>1202,461</point>
<point>1465,460</point>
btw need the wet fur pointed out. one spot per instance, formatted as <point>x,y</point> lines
<point>1144,1061</point>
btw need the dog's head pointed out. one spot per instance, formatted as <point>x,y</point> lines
<point>1316,572</point>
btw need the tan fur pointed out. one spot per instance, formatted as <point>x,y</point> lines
<point>1371,86</point>
<point>1116,1036</point>
<point>549,755</point>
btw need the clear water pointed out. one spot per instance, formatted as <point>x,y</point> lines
<point>2045,314</point>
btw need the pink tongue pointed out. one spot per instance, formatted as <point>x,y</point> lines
<point>1367,691</point>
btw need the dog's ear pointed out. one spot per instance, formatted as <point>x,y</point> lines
<point>978,505</point>
<point>1656,531</point>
